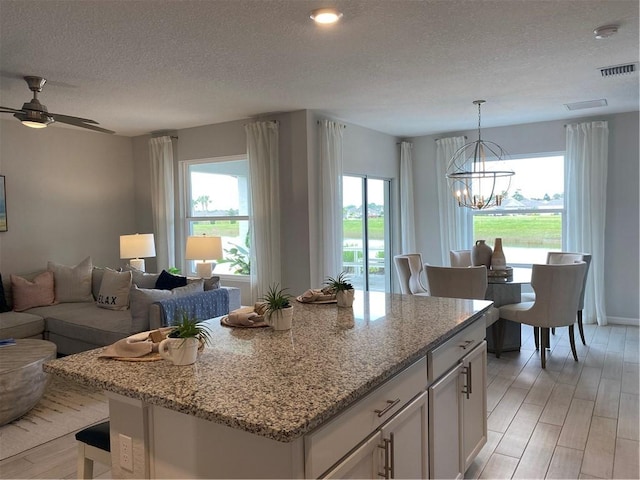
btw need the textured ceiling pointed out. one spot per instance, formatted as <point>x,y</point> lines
<point>403,67</point>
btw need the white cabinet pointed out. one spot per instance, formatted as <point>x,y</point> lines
<point>397,450</point>
<point>457,414</point>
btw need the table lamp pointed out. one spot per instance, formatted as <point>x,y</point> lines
<point>136,246</point>
<point>202,247</point>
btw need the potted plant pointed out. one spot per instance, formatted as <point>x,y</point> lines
<point>279,312</point>
<point>342,288</point>
<point>184,340</point>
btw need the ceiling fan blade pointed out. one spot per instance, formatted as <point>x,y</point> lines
<point>77,122</point>
<point>10,110</point>
<point>62,118</point>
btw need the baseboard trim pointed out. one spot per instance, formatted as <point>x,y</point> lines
<point>634,322</point>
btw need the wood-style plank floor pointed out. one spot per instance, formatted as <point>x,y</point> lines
<point>571,420</point>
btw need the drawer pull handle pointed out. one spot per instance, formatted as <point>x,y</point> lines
<point>390,405</point>
<point>466,344</point>
<point>387,469</point>
<point>468,387</point>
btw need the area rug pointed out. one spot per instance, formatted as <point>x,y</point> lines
<point>65,407</point>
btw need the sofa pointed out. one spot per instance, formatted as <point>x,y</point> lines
<point>79,316</point>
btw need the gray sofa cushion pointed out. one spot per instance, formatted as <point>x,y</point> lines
<point>20,325</point>
<point>86,322</point>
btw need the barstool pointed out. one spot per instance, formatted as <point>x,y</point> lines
<point>94,444</point>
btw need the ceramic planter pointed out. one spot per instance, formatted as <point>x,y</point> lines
<point>180,351</point>
<point>344,298</point>
<point>280,319</point>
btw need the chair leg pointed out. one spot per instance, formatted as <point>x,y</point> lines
<point>580,327</point>
<point>545,339</point>
<point>498,337</point>
<point>536,337</point>
<point>553,330</point>
<point>543,351</point>
<point>572,341</point>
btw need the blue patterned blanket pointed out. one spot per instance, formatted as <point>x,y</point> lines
<point>201,305</point>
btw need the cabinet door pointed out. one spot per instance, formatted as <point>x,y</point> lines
<point>474,403</point>
<point>445,436</point>
<point>366,461</point>
<point>406,439</point>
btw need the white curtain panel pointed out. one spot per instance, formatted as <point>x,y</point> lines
<point>586,203</point>
<point>162,198</point>
<point>456,223</point>
<point>262,152</point>
<point>330,158</point>
<point>407,218</point>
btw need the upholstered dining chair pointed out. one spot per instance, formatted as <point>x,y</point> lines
<point>458,282</point>
<point>409,267</point>
<point>460,258</point>
<point>561,258</point>
<point>557,289</point>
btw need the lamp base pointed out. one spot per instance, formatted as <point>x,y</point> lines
<point>204,269</point>
<point>137,263</point>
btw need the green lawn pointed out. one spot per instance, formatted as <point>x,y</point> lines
<point>542,231</point>
<point>219,228</point>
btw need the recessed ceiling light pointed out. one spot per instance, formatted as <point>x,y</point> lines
<point>605,31</point>
<point>325,15</point>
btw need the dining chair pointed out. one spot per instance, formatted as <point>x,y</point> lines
<point>460,258</point>
<point>409,268</point>
<point>561,258</point>
<point>557,289</point>
<point>459,282</point>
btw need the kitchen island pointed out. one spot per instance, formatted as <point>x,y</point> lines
<point>261,403</point>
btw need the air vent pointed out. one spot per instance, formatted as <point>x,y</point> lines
<point>588,104</point>
<point>618,70</point>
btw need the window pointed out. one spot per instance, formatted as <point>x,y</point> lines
<point>530,219</point>
<point>365,245</point>
<point>217,203</point>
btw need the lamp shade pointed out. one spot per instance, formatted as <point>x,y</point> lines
<point>202,247</point>
<point>137,246</point>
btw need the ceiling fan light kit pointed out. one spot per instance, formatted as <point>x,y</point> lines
<point>35,115</point>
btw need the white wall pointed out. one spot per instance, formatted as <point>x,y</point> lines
<point>621,232</point>
<point>69,195</point>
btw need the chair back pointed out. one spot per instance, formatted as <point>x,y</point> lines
<point>409,267</point>
<point>455,282</point>
<point>460,258</point>
<point>560,258</point>
<point>558,289</point>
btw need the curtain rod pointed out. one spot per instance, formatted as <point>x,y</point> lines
<point>277,122</point>
<point>436,139</point>
<point>320,121</point>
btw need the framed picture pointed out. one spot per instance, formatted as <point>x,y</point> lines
<point>3,206</point>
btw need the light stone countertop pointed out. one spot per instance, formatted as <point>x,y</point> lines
<point>281,385</point>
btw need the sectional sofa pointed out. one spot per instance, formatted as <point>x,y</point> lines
<point>82,321</point>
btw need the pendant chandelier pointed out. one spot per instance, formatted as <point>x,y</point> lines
<point>473,185</point>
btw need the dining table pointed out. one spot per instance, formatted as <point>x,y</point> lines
<point>504,290</point>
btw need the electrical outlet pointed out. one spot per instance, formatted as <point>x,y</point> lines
<point>126,452</point>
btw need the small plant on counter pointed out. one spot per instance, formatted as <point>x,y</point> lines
<point>276,298</point>
<point>339,284</point>
<point>188,327</point>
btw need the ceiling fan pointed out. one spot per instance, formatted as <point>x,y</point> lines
<point>35,115</point>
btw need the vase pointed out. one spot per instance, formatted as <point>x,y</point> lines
<point>280,319</point>
<point>498,261</point>
<point>481,254</point>
<point>344,298</point>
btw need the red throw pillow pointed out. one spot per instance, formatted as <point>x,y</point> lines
<point>36,293</point>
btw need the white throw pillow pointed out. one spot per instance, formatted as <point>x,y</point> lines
<point>72,284</point>
<point>114,290</point>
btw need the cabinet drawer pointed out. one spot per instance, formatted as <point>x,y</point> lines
<point>449,353</point>
<point>329,443</point>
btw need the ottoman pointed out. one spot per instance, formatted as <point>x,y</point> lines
<point>22,380</point>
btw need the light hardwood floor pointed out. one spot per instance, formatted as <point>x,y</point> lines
<point>571,420</point>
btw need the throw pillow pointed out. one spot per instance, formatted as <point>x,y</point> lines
<point>142,279</point>
<point>72,284</point>
<point>140,299</point>
<point>167,281</point>
<point>4,306</point>
<point>114,290</point>
<point>36,293</point>
<point>212,283</point>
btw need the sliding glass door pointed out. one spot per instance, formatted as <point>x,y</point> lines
<point>366,244</point>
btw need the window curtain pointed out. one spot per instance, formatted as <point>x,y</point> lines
<point>586,202</point>
<point>262,153</point>
<point>330,159</point>
<point>456,223</point>
<point>162,198</point>
<point>407,219</point>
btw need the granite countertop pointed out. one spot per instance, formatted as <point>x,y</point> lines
<point>281,385</point>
